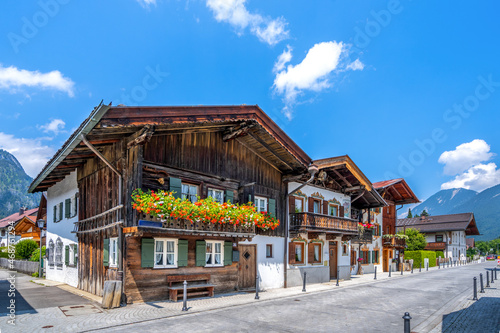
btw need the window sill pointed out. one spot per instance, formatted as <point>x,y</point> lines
<point>164,267</point>
<point>212,266</point>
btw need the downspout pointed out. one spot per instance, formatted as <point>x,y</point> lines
<point>313,169</point>
<point>120,202</point>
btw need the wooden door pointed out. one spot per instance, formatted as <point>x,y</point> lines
<point>386,260</point>
<point>333,260</point>
<point>247,267</point>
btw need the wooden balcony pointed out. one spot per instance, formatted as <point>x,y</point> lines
<point>185,227</point>
<point>319,222</point>
<point>365,237</point>
<point>436,246</point>
<point>394,242</point>
<point>34,235</point>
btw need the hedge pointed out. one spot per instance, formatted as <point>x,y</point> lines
<point>439,254</point>
<point>419,256</point>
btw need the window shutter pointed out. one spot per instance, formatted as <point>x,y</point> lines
<point>60,211</point>
<point>55,213</point>
<point>176,187</point>
<point>291,253</point>
<point>201,249</point>
<point>310,202</point>
<point>341,211</point>
<point>147,252</point>
<point>105,251</point>
<point>325,207</point>
<point>228,253</point>
<point>272,207</point>
<point>310,253</point>
<point>67,208</point>
<point>182,253</point>
<point>229,196</point>
<point>66,255</point>
<point>75,207</point>
<point>75,253</point>
<point>291,204</point>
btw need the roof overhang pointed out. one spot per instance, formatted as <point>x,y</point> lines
<point>397,191</point>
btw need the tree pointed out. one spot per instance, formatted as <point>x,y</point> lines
<point>416,240</point>
<point>424,213</point>
<point>416,215</point>
<point>25,248</point>
<point>409,214</point>
<point>35,256</point>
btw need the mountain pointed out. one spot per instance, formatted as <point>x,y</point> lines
<point>485,205</point>
<point>14,183</point>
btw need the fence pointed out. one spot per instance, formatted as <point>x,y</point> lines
<point>28,267</point>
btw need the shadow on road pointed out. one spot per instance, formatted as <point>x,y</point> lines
<point>482,316</point>
<point>9,293</point>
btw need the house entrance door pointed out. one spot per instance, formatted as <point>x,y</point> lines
<point>247,266</point>
<point>333,260</point>
<point>386,260</point>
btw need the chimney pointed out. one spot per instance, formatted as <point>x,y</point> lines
<point>22,210</point>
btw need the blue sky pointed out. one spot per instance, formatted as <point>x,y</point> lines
<point>406,88</point>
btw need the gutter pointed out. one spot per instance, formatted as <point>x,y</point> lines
<point>72,143</point>
<point>313,169</point>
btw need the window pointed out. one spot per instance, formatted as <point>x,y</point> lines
<point>364,254</point>
<point>189,192</point>
<point>51,253</point>
<point>375,257</point>
<point>261,204</point>
<point>439,238</point>
<point>299,253</point>
<point>299,205</point>
<point>113,252</point>
<point>333,210</point>
<point>3,232</point>
<point>165,253</point>
<point>214,253</point>
<point>58,255</point>
<point>71,259</point>
<point>74,205</point>
<point>316,207</point>
<point>218,195</point>
<point>345,250</point>
<point>316,256</point>
<point>269,251</point>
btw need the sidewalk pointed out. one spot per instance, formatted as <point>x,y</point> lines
<point>54,320</point>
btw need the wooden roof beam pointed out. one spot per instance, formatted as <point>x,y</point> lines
<point>259,140</point>
<point>342,177</point>
<point>238,131</point>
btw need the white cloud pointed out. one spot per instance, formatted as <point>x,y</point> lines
<point>31,153</point>
<point>56,126</point>
<point>12,78</point>
<point>146,3</point>
<point>234,12</point>
<point>477,177</point>
<point>465,156</point>
<point>356,65</point>
<point>311,74</point>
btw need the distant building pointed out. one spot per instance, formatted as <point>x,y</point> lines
<point>444,232</point>
<point>470,242</point>
<point>12,220</point>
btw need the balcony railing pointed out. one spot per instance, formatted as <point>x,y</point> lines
<point>365,237</point>
<point>394,242</point>
<point>312,221</point>
<point>436,246</point>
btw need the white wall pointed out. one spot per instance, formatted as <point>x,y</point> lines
<point>56,194</point>
<point>327,194</point>
<point>270,270</point>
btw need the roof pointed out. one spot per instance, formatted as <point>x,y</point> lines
<point>397,191</point>
<point>441,223</point>
<point>108,124</point>
<point>344,171</point>
<point>16,217</point>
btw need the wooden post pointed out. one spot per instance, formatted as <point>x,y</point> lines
<point>108,294</point>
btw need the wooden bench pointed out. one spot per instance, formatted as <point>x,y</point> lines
<point>198,285</point>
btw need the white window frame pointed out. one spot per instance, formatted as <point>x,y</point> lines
<point>113,252</point>
<point>213,253</point>
<point>215,190</point>
<point>258,204</point>
<point>164,252</point>
<point>188,195</point>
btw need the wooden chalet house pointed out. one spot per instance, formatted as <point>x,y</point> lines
<point>395,192</point>
<point>13,220</point>
<point>325,209</point>
<point>230,153</point>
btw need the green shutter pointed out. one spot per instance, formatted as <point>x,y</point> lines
<point>148,252</point>
<point>272,207</point>
<point>228,253</point>
<point>76,204</point>
<point>182,253</point>
<point>176,187</point>
<point>55,213</point>
<point>67,208</point>
<point>229,196</point>
<point>201,249</point>
<point>75,253</point>
<point>60,211</point>
<point>105,251</point>
<point>66,255</point>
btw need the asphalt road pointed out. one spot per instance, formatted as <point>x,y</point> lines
<point>376,307</point>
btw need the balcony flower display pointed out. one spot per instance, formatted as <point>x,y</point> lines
<point>164,205</point>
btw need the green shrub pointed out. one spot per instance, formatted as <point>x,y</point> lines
<point>35,256</point>
<point>419,256</point>
<point>439,254</point>
<point>34,274</point>
<point>25,248</point>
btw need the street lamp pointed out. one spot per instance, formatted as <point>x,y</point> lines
<point>40,226</point>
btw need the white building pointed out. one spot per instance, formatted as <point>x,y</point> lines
<point>61,243</point>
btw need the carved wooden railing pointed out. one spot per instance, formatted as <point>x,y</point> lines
<point>312,221</point>
<point>195,227</point>
<point>365,237</point>
<point>394,242</point>
<point>104,220</point>
<point>433,246</point>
